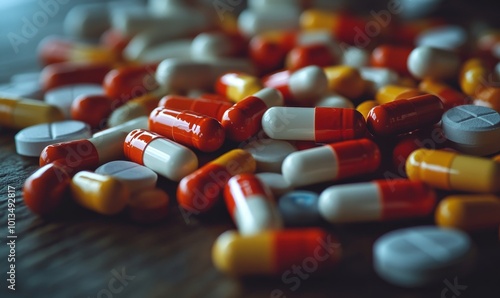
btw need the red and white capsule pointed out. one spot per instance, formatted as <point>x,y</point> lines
<point>251,204</point>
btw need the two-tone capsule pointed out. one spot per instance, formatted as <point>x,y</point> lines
<point>211,108</point>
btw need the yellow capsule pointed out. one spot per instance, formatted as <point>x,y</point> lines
<point>469,212</point>
<point>452,171</point>
<point>237,86</point>
<point>345,80</point>
<point>21,113</point>
<point>365,107</point>
<point>390,93</point>
<point>275,252</point>
<point>100,193</point>
<point>473,76</point>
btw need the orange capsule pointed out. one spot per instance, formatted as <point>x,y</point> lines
<point>188,128</point>
<point>237,86</point>
<point>93,109</point>
<point>449,96</point>
<point>130,82</point>
<point>311,54</point>
<point>268,50</point>
<point>393,57</point>
<point>199,191</point>
<point>244,119</point>
<point>45,190</point>
<point>405,115</point>
<point>71,73</point>
<point>149,206</point>
<point>211,108</point>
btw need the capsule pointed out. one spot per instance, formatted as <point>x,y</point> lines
<point>365,107</point>
<point>92,109</point>
<point>251,205</point>
<point>380,200</point>
<point>244,119</point>
<point>70,73</point>
<point>44,190</point>
<point>21,113</point>
<point>160,154</point>
<point>331,162</point>
<point>321,55</point>
<point>393,57</point>
<point>488,97</point>
<point>320,124</point>
<point>129,82</point>
<point>469,212</point>
<point>452,171</point>
<point>103,147</point>
<point>137,107</point>
<point>207,45</point>
<point>275,252</point>
<point>406,144</point>
<point>114,40</point>
<point>390,93</point>
<point>100,193</point>
<point>405,115</point>
<point>207,107</point>
<point>237,86</point>
<point>188,128</point>
<point>433,62</point>
<point>200,190</point>
<point>473,76</point>
<point>345,80</point>
<point>149,206</point>
<point>449,96</point>
<point>378,77</point>
<point>303,86</point>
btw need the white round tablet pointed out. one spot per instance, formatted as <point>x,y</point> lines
<point>269,154</point>
<point>32,140</point>
<point>420,256</point>
<point>276,183</point>
<point>136,177</point>
<point>64,96</point>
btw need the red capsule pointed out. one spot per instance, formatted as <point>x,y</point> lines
<point>93,109</point>
<point>130,82</point>
<point>405,115</point>
<point>393,57</point>
<point>114,40</point>
<point>312,54</point>
<point>211,108</point>
<point>71,73</point>
<point>188,128</point>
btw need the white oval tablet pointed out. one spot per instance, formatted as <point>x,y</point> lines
<point>135,176</point>
<point>275,182</point>
<point>269,154</point>
<point>64,96</point>
<point>32,140</point>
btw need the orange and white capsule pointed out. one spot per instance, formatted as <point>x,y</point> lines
<point>208,107</point>
<point>237,86</point>
<point>188,128</point>
<point>275,252</point>
<point>244,119</point>
<point>251,205</point>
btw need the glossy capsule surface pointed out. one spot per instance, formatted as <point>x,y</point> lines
<point>237,86</point>
<point>393,57</point>
<point>211,108</point>
<point>128,82</point>
<point>311,54</point>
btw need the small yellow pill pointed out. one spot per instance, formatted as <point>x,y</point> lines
<point>345,80</point>
<point>390,93</point>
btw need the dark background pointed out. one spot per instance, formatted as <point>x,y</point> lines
<point>75,254</point>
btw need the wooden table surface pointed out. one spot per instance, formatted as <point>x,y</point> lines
<point>80,254</point>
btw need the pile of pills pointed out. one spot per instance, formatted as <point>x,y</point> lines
<point>287,97</point>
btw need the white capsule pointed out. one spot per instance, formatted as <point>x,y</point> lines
<point>434,63</point>
<point>135,176</point>
<point>334,100</point>
<point>63,97</point>
<point>126,127</point>
<point>211,45</point>
<point>173,49</point>
<point>252,22</point>
<point>308,84</point>
<point>286,123</point>
<point>378,77</point>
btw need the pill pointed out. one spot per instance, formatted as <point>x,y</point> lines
<point>449,96</point>
<point>331,162</point>
<point>136,177</point>
<point>213,45</point>
<point>71,73</point>
<point>472,129</point>
<point>275,182</point>
<point>365,107</point>
<point>452,171</point>
<point>114,40</point>
<point>63,97</point>
<point>32,140</point>
<point>431,62</point>
<point>251,205</point>
<point>93,109</point>
<point>174,49</point>
<point>420,256</point>
<point>21,89</point>
<point>269,154</point>
<point>252,22</point>
<point>393,57</point>
<point>263,254</point>
<point>390,93</point>
<point>333,100</point>
<point>405,115</point>
<point>355,57</point>
<point>149,206</point>
<point>300,208</point>
<point>304,86</point>
<point>188,128</point>
<point>128,82</point>
<point>469,212</point>
<point>473,76</point>
<point>488,97</point>
<point>444,37</point>
<point>165,157</point>
<point>178,74</point>
<point>378,77</point>
<point>312,54</point>
<point>18,113</point>
<point>237,86</point>
<point>211,108</point>
<point>244,119</point>
<point>322,125</point>
<point>44,190</point>
<point>199,191</point>
<point>137,107</point>
<point>380,200</point>
<point>345,80</point>
<point>100,193</point>
<point>87,21</point>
